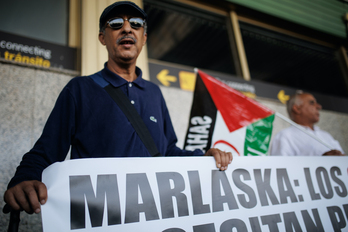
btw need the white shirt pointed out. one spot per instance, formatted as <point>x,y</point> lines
<point>294,142</point>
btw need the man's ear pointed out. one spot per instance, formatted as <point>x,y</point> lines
<point>145,39</point>
<point>296,109</point>
<point>101,38</point>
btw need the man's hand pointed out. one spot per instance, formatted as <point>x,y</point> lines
<point>27,196</point>
<point>333,153</point>
<point>222,159</point>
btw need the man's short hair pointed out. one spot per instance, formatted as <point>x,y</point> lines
<point>293,100</point>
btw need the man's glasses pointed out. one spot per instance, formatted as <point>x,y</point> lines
<point>117,23</point>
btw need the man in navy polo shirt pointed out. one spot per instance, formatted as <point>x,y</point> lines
<point>86,118</point>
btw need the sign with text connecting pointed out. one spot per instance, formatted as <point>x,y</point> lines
<point>27,51</point>
<point>188,194</point>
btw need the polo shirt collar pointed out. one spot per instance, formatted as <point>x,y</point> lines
<point>118,81</point>
<point>315,127</point>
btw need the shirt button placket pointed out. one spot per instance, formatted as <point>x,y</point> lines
<point>130,86</point>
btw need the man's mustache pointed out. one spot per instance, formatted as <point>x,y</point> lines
<point>126,37</point>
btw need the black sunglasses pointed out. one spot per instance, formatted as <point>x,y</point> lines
<point>117,23</point>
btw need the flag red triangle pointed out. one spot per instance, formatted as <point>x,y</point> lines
<point>236,109</point>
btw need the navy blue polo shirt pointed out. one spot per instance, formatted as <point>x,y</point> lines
<point>86,118</point>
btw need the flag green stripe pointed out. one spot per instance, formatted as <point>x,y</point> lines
<point>258,136</point>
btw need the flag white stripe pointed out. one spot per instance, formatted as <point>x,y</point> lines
<point>254,151</point>
<point>303,130</point>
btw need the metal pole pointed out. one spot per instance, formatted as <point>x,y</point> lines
<point>303,130</point>
<point>14,218</point>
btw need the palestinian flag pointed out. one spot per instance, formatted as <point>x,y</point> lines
<point>224,118</point>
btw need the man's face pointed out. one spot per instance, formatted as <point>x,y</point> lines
<point>309,108</point>
<point>124,44</point>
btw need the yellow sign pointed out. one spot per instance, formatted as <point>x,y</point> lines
<point>187,80</point>
<point>164,78</point>
<point>39,61</point>
<point>282,97</point>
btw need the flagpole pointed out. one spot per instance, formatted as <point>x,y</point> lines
<point>303,130</point>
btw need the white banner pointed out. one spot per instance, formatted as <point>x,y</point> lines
<point>189,194</point>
